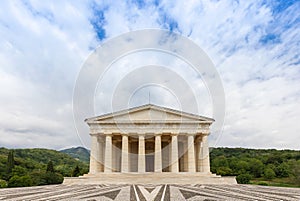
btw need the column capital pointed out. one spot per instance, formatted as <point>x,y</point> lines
<point>205,133</point>
<point>94,134</point>
<point>140,135</point>
<point>157,134</point>
<point>174,134</point>
<point>108,133</point>
<point>124,134</point>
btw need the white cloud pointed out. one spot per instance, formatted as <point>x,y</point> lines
<point>255,49</point>
<point>39,60</point>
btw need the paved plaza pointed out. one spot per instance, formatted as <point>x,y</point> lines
<point>150,192</point>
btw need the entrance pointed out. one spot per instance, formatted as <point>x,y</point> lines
<point>150,163</point>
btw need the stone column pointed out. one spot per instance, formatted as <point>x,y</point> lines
<point>95,165</point>
<point>204,155</point>
<point>141,155</point>
<point>124,160</point>
<point>157,156</point>
<point>108,153</point>
<point>198,151</point>
<point>101,153</point>
<point>174,154</point>
<point>191,154</point>
<point>185,155</point>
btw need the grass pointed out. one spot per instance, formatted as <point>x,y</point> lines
<point>280,182</point>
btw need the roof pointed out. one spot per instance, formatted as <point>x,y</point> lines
<point>191,116</point>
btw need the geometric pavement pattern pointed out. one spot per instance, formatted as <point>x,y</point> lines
<point>151,192</point>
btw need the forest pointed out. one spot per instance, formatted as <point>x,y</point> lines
<point>258,166</point>
<point>33,167</point>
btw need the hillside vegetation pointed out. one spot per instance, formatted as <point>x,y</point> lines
<point>31,167</point>
<point>78,153</point>
<point>258,166</point>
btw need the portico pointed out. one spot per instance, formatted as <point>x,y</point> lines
<point>149,139</point>
<point>148,153</point>
<point>149,144</point>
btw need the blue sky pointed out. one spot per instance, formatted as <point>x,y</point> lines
<point>255,46</point>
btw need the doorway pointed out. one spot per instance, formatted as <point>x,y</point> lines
<point>149,163</point>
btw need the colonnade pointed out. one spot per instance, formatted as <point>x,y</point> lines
<point>196,153</point>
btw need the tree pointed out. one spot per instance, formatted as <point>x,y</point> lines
<point>19,171</point>
<point>295,170</point>
<point>3,183</point>
<point>220,161</point>
<point>10,163</point>
<point>38,178</point>
<point>50,167</point>
<point>282,170</point>
<point>242,167</point>
<point>17,181</point>
<point>52,178</point>
<point>224,171</point>
<point>256,167</point>
<point>269,173</point>
<point>76,171</point>
<point>275,158</point>
<point>45,178</point>
<point>243,178</point>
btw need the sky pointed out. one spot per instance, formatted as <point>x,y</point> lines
<point>254,45</point>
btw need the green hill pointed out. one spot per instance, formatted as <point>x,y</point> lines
<point>78,153</point>
<point>29,167</point>
<point>258,166</point>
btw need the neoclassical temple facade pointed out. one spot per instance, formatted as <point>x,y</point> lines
<point>149,139</point>
<point>149,144</point>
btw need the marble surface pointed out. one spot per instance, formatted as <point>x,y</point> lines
<point>150,192</point>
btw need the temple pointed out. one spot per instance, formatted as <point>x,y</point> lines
<point>149,144</point>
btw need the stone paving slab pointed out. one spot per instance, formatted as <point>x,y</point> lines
<point>149,192</point>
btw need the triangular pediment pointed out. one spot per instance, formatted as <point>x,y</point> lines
<point>149,113</point>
